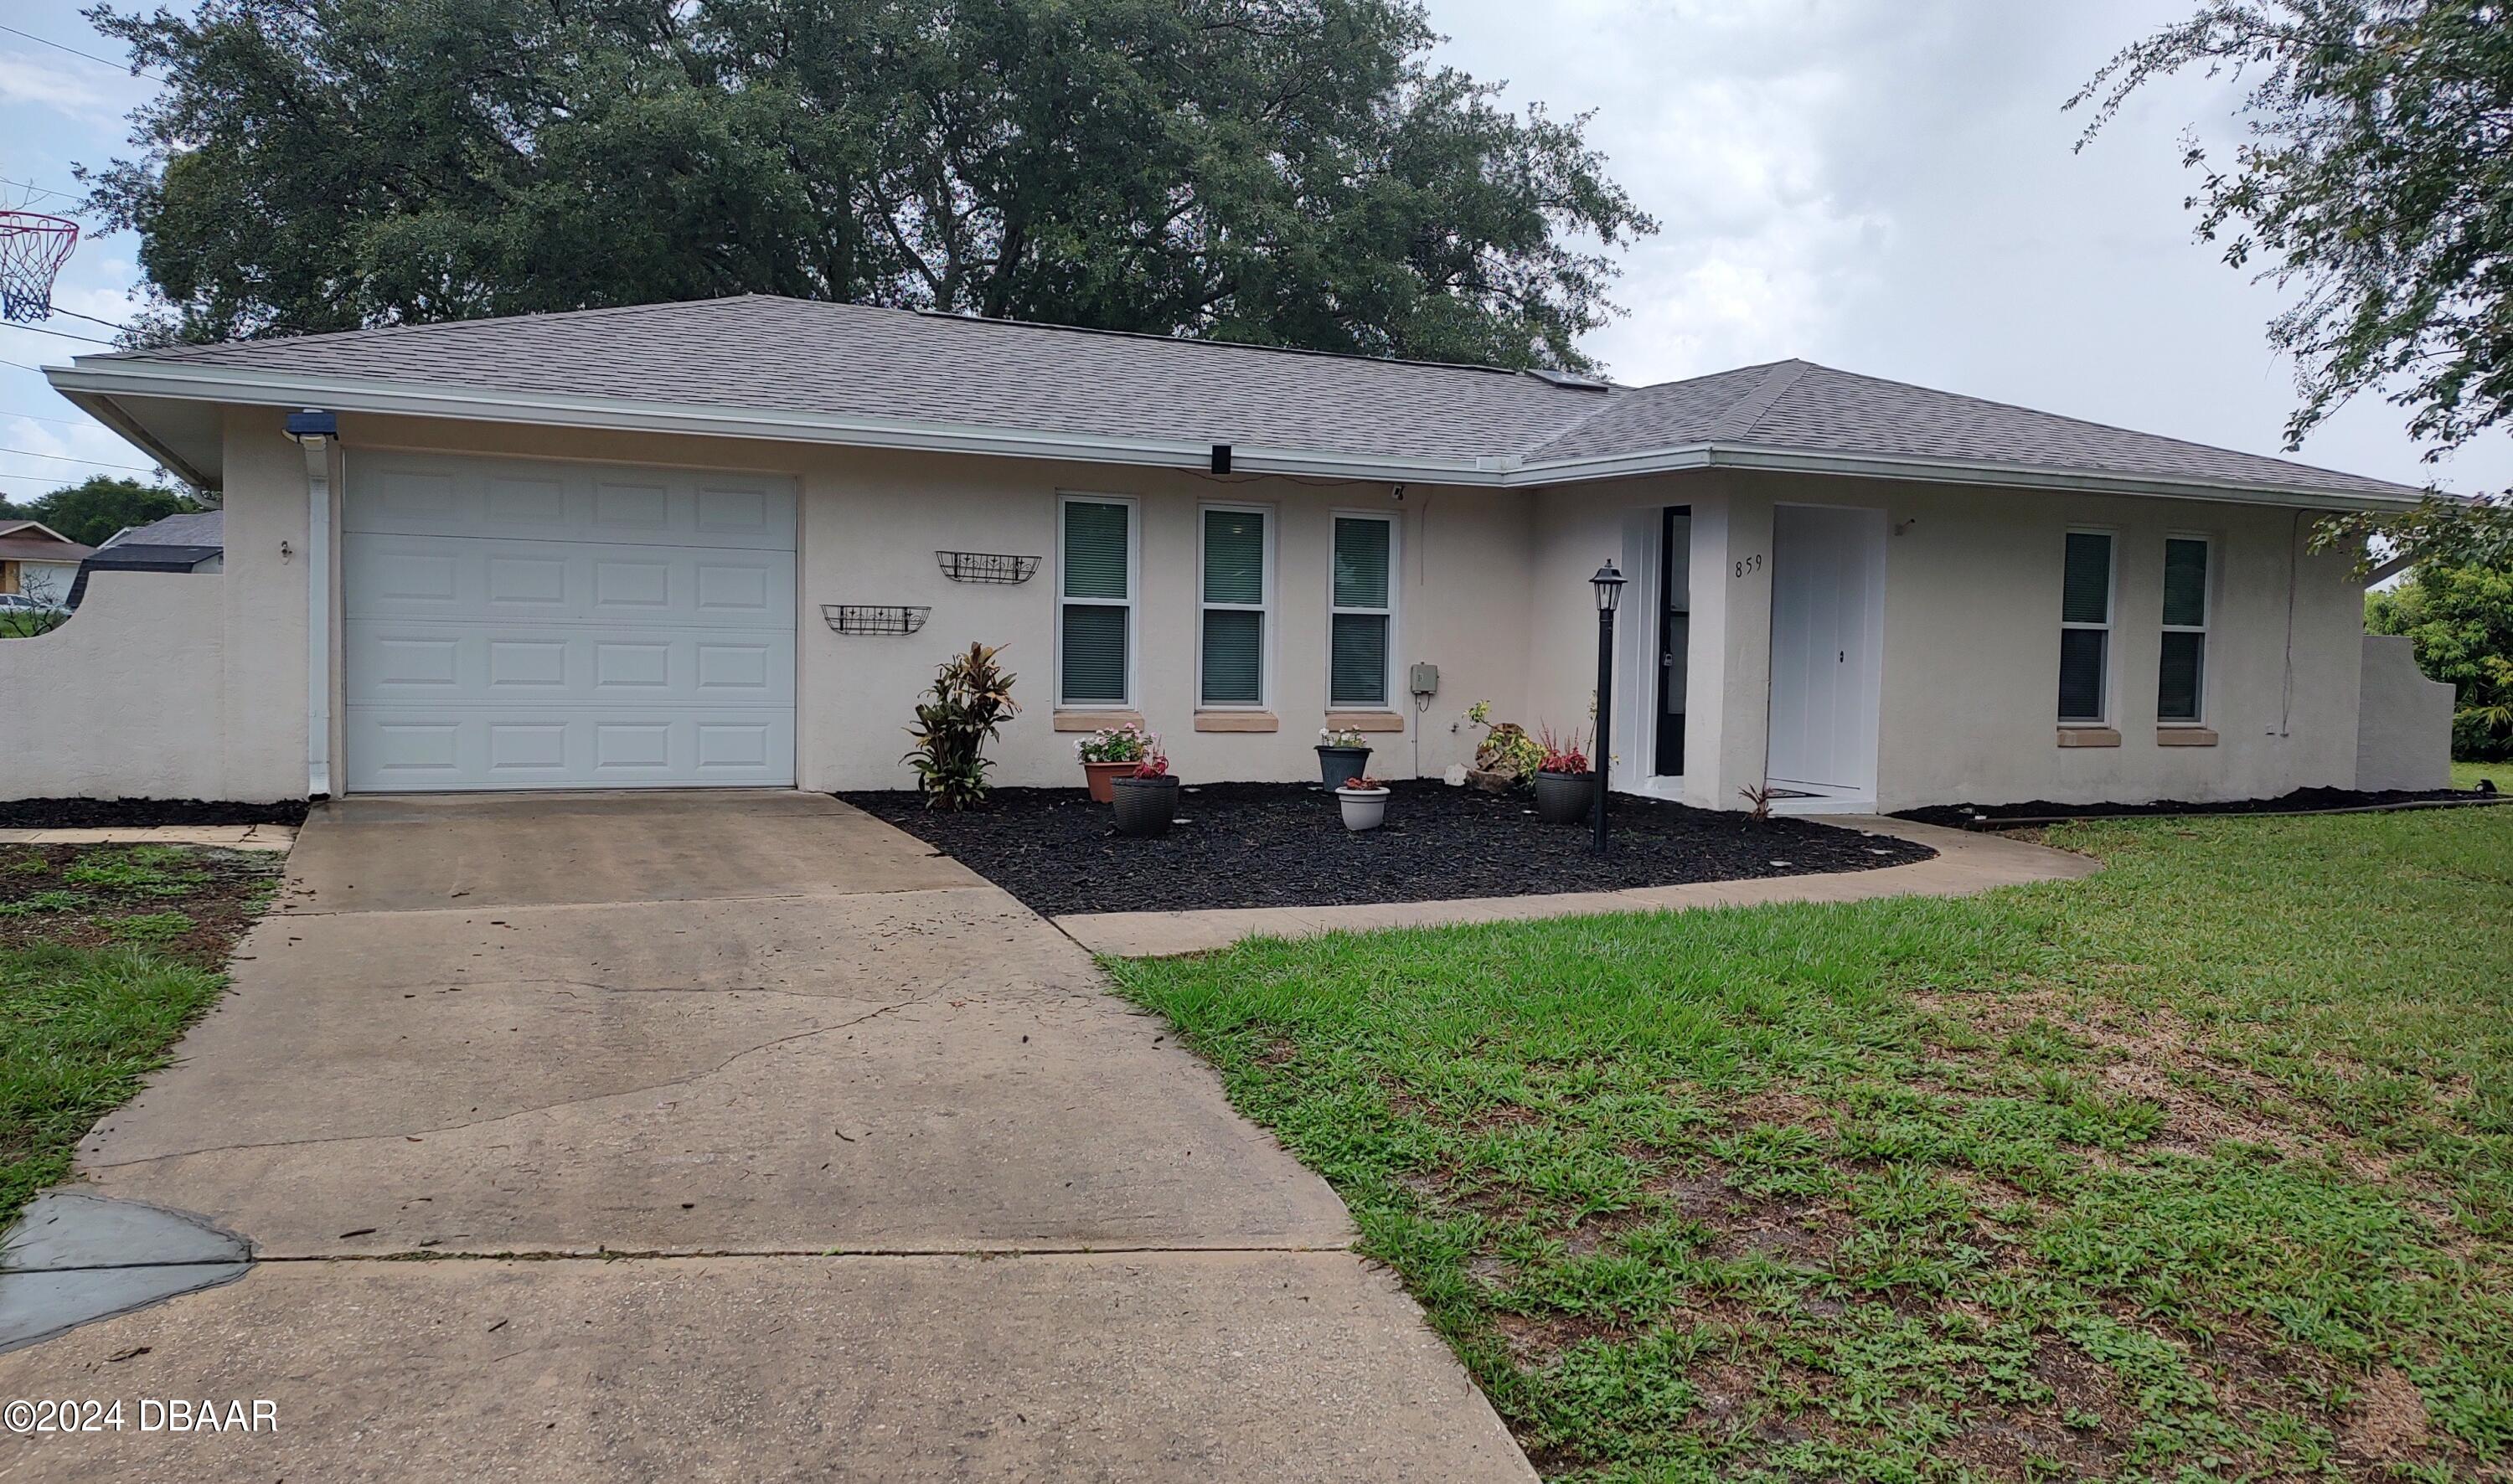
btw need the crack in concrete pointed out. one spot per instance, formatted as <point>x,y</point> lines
<point>520,1112</point>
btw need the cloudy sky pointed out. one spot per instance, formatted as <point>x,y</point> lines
<point>1882,186</point>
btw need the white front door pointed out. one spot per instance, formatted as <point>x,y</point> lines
<point>524,624</point>
<point>1827,602</point>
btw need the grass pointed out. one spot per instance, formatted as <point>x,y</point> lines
<point>105,956</point>
<point>2200,1168</point>
<point>2465,775</point>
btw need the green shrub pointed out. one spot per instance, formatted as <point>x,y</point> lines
<point>971,698</point>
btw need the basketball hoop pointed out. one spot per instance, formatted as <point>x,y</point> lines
<point>32,249</point>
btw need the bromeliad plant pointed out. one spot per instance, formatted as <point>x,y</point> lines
<point>971,698</point>
<point>1560,754</point>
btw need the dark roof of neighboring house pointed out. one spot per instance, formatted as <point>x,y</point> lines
<point>131,556</point>
<point>185,528</point>
<point>797,356</point>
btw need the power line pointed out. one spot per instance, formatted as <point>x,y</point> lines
<point>67,422</point>
<point>91,319</point>
<point>63,333</point>
<point>40,190</point>
<point>119,66</point>
<point>65,458</point>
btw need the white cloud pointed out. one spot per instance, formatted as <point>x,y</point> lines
<point>26,79</point>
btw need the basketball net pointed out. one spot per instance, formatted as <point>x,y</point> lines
<point>32,249</point>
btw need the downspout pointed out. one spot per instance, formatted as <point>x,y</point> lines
<point>315,432</point>
<point>2294,580</point>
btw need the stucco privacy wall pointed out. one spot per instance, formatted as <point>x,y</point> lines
<point>870,524</point>
<point>125,699</point>
<point>2404,720</point>
<point>1972,638</point>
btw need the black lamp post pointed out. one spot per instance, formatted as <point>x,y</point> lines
<point>1608,584</point>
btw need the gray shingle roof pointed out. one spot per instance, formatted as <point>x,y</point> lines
<point>757,352</point>
<point>189,527</point>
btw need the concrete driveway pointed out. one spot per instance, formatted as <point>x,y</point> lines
<point>735,1136</point>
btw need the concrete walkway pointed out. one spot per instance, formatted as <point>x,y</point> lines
<point>731,1136</point>
<point>224,837</point>
<point>1965,862</point>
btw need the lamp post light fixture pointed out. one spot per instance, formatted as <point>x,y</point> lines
<point>1608,584</point>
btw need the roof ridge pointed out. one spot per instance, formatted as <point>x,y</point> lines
<point>1199,340</point>
<point>1738,420</point>
<point>184,349</point>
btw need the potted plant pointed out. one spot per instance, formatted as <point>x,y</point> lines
<point>1342,753</point>
<point>1364,802</point>
<point>1566,789</point>
<point>1148,797</point>
<point>1111,753</point>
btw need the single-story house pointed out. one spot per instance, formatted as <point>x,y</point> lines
<point>38,562</point>
<point>727,542</point>
<point>186,541</point>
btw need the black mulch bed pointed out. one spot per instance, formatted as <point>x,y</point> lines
<point>135,813</point>
<point>1268,845</point>
<point>2301,802</point>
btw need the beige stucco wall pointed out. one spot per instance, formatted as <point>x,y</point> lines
<point>125,699</point>
<point>870,525</point>
<point>1972,639</point>
<point>1493,589</point>
<point>2404,720</point>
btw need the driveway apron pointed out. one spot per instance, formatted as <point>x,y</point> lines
<point>723,1135</point>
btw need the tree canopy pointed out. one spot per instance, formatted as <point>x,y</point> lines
<point>95,508</point>
<point>1279,172</point>
<point>2462,621</point>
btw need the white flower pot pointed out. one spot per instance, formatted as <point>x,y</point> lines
<point>1363,809</point>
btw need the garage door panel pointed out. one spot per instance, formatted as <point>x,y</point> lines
<point>524,625</point>
<point>492,581</point>
<point>402,661</point>
<point>416,749</point>
<point>528,499</point>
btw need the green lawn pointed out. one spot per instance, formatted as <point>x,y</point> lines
<point>2465,775</point>
<point>2201,1168</point>
<point>106,956</point>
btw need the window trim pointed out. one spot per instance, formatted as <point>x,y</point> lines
<point>2205,629</point>
<point>1263,607</point>
<point>1132,604</point>
<point>1392,612</point>
<point>2109,628</point>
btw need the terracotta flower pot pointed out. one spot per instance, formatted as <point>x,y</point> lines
<point>1103,774</point>
<point>1565,799</point>
<point>1145,807</point>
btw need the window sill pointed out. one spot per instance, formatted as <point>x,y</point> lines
<point>2089,737</point>
<point>1237,720</point>
<point>1095,721</point>
<point>2185,736</point>
<point>1365,721</point>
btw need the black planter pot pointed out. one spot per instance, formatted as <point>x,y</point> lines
<point>1146,806</point>
<point>1566,798</point>
<point>1338,763</point>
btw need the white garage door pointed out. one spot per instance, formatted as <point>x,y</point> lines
<point>518,624</point>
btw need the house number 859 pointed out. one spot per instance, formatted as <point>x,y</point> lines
<point>1752,563</point>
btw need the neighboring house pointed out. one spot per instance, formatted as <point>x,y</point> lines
<point>38,562</point>
<point>633,547</point>
<point>187,541</point>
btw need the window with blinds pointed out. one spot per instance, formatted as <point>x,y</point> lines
<point>1095,602</point>
<point>1361,627</point>
<point>1237,589</point>
<point>2180,676</point>
<point>2085,629</point>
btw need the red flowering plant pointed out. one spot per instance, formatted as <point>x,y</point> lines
<point>1562,755</point>
<point>1155,763</point>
